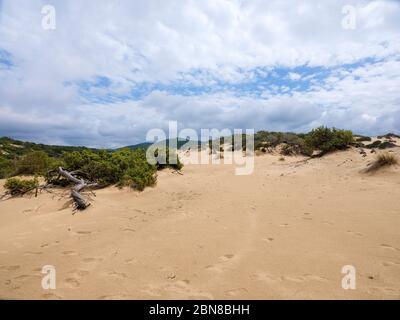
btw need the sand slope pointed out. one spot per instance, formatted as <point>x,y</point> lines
<point>283,232</point>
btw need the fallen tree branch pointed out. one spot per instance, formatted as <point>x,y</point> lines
<point>80,185</point>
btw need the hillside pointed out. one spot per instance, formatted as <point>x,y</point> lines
<point>11,148</point>
<point>180,143</point>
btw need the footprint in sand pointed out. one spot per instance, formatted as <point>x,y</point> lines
<point>226,257</point>
<point>131,261</point>
<point>69,253</point>
<point>11,285</point>
<point>32,253</point>
<point>390,263</point>
<point>71,283</point>
<point>387,246</point>
<point>222,260</point>
<point>354,233</point>
<point>45,245</point>
<point>262,276</point>
<point>84,232</point>
<point>89,260</point>
<point>78,273</point>
<point>305,277</point>
<point>115,274</point>
<point>51,296</point>
<point>380,291</point>
<point>25,276</point>
<point>268,239</point>
<point>114,297</point>
<point>214,268</point>
<point>10,268</point>
<point>182,289</point>
<point>236,292</point>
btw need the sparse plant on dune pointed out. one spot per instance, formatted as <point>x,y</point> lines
<point>17,186</point>
<point>383,160</point>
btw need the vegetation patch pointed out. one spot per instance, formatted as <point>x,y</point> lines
<point>362,138</point>
<point>17,186</point>
<point>327,140</point>
<point>383,160</point>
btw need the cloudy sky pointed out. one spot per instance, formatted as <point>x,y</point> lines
<point>112,70</point>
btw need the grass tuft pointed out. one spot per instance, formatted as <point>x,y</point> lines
<point>383,160</point>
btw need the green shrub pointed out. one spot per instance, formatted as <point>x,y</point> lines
<point>6,168</point>
<point>17,186</point>
<point>287,150</point>
<point>326,139</point>
<point>123,167</point>
<point>374,144</point>
<point>386,145</point>
<point>294,143</point>
<point>35,162</point>
<point>363,138</point>
<point>167,158</point>
<point>138,171</point>
<point>389,136</point>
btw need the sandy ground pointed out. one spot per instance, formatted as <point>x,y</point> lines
<point>284,232</point>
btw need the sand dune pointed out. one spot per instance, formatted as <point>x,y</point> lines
<point>283,232</point>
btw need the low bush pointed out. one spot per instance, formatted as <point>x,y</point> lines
<point>6,168</point>
<point>293,143</point>
<point>387,145</point>
<point>123,167</point>
<point>167,158</point>
<point>374,144</point>
<point>17,186</point>
<point>389,136</point>
<point>35,163</point>
<point>362,138</point>
<point>327,139</point>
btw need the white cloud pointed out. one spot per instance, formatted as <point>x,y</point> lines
<point>195,43</point>
<point>294,76</point>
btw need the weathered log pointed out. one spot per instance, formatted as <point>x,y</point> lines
<point>80,185</point>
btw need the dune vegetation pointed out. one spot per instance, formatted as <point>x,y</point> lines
<point>129,166</point>
<point>383,160</point>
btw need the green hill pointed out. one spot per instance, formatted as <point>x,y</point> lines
<point>11,148</point>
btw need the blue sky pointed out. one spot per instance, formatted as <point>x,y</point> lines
<point>112,70</point>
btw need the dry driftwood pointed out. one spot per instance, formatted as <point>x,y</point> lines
<point>75,177</point>
<point>80,185</point>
